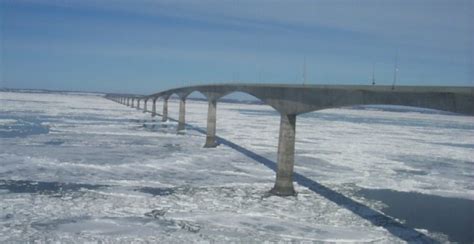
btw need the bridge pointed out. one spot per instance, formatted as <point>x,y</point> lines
<point>292,100</point>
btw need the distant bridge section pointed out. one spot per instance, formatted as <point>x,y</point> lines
<point>292,100</point>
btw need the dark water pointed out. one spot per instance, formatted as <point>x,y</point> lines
<point>22,127</point>
<point>40,187</point>
<point>400,109</point>
<point>451,216</point>
<point>31,124</point>
<point>350,118</point>
<point>409,122</point>
<point>156,191</point>
<point>54,188</point>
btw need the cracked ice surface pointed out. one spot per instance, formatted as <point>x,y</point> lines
<point>78,167</point>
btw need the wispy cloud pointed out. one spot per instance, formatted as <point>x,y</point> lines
<point>341,39</point>
<point>430,22</point>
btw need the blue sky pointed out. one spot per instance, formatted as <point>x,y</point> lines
<point>143,46</point>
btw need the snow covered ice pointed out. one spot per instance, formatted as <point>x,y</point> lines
<point>80,168</point>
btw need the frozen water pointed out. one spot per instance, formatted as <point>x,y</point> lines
<point>78,167</point>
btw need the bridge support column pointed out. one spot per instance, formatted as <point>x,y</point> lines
<point>128,102</point>
<point>165,110</point>
<point>138,104</point>
<point>132,102</point>
<point>182,114</point>
<point>286,154</point>
<point>153,108</point>
<point>145,106</point>
<point>211,124</point>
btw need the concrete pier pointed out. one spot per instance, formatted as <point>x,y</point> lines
<point>133,103</point>
<point>182,114</point>
<point>153,108</point>
<point>145,105</point>
<point>211,124</point>
<point>286,154</point>
<point>165,110</point>
<point>138,103</point>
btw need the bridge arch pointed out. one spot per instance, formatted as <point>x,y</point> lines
<point>145,104</point>
<point>172,104</point>
<point>195,101</point>
<point>244,105</point>
<point>213,98</point>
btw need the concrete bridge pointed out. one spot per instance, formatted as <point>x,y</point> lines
<point>292,100</point>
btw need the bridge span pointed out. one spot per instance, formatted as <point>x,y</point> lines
<point>292,100</point>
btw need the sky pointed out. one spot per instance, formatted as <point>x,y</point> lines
<point>145,46</point>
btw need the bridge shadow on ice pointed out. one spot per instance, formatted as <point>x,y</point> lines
<point>376,218</point>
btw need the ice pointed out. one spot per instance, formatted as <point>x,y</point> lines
<point>95,170</point>
<point>4,122</point>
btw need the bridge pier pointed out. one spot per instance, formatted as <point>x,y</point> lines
<point>165,110</point>
<point>211,124</point>
<point>145,105</point>
<point>132,102</point>
<point>138,104</point>
<point>286,155</point>
<point>182,114</point>
<point>153,108</point>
